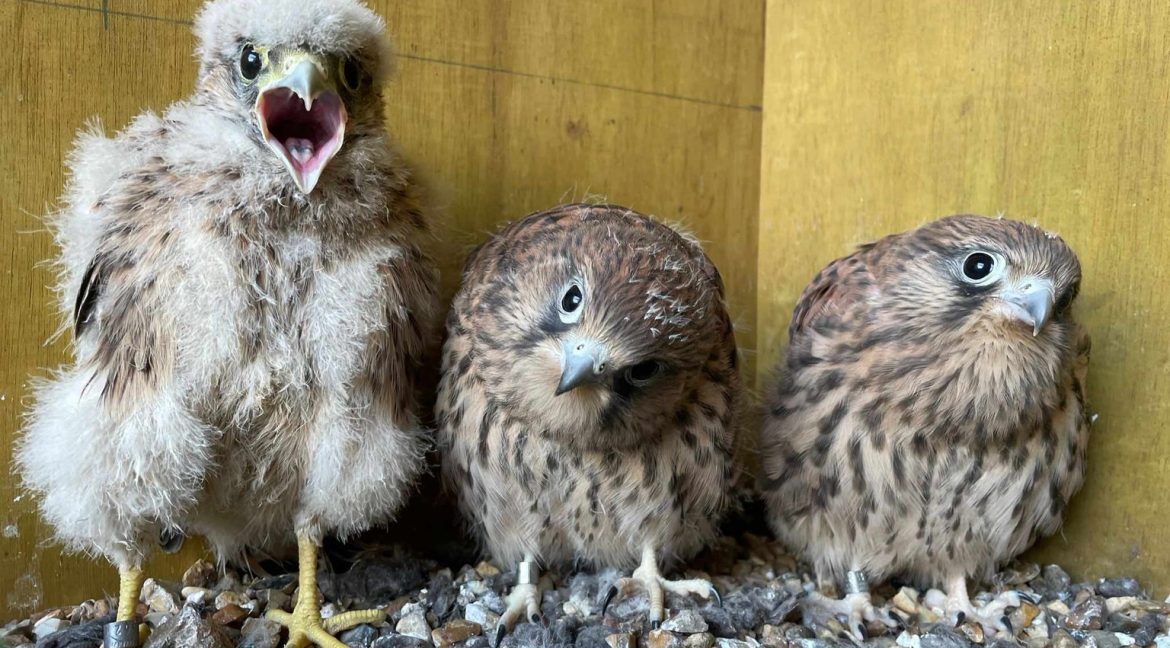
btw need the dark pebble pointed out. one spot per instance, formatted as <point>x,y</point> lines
<point>1113,587</point>
<point>719,621</point>
<point>793,631</point>
<point>1121,623</point>
<point>1098,639</point>
<point>823,642</point>
<point>745,609</point>
<point>86,635</point>
<point>1089,614</point>
<point>1053,583</point>
<point>362,636</point>
<point>1143,630</point>
<point>943,637</point>
<point>441,596</point>
<point>395,640</point>
<point>284,582</point>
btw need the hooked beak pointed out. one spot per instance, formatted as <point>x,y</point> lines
<point>302,117</point>
<point>582,361</point>
<point>1030,301</point>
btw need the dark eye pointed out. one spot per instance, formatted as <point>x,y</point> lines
<point>1067,297</point>
<point>351,74</point>
<point>643,372</point>
<point>250,63</point>
<point>571,300</point>
<point>978,266</point>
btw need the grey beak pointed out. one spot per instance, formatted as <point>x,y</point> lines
<point>582,361</point>
<point>1032,301</point>
<point>307,81</point>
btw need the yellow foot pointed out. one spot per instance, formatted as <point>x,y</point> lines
<point>306,627</point>
<point>304,623</point>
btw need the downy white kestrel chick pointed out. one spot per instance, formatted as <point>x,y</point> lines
<point>587,408</point>
<point>929,422</point>
<point>250,299</point>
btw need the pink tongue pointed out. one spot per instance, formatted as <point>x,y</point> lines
<point>300,149</point>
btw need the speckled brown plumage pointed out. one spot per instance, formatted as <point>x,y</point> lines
<point>599,473</point>
<point>918,428</point>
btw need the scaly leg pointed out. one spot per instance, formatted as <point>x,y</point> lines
<point>856,607</point>
<point>524,600</point>
<point>124,632</point>
<point>992,616</point>
<point>304,623</point>
<point>647,577</point>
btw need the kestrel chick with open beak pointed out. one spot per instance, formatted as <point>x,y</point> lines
<point>250,301</point>
<point>587,408</point>
<point>930,422</point>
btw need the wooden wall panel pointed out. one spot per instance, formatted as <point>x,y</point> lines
<point>506,107</point>
<point>880,116</point>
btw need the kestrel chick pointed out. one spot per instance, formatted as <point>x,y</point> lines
<point>929,422</point>
<point>588,401</point>
<point>250,300</point>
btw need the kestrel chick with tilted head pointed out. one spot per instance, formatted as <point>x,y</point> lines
<point>587,407</point>
<point>250,301</point>
<point>930,422</point>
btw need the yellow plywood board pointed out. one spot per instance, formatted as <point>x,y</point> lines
<point>880,116</point>
<point>505,107</point>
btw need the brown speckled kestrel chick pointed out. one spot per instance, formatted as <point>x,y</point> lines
<point>250,301</point>
<point>588,401</point>
<point>929,421</point>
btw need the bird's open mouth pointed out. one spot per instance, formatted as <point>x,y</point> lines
<point>306,133</point>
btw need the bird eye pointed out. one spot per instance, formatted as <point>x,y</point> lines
<point>351,74</point>
<point>250,62</point>
<point>978,266</point>
<point>643,372</point>
<point>1067,297</point>
<point>571,301</point>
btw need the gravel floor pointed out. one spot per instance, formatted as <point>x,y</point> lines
<point>456,604</point>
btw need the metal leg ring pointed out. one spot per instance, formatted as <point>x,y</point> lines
<point>121,634</point>
<point>855,582</point>
<point>527,573</point>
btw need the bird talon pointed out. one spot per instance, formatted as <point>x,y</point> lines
<point>960,618</point>
<point>609,595</point>
<point>498,636</point>
<point>655,624</point>
<point>535,619</point>
<point>715,594</point>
